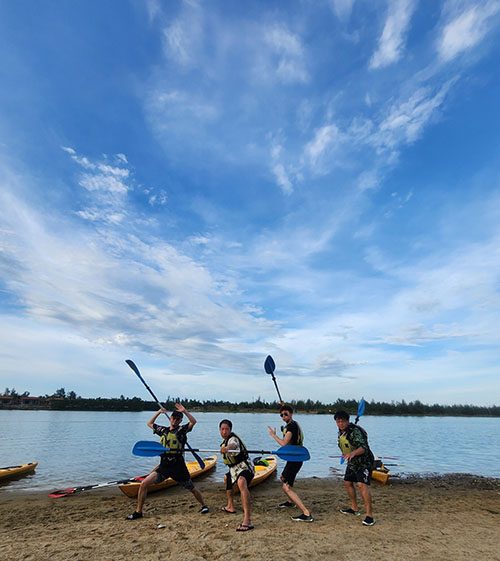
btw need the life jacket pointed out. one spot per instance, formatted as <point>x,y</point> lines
<point>172,441</point>
<point>300,438</point>
<point>347,446</point>
<point>233,459</point>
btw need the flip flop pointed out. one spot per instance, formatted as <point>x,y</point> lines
<point>244,528</point>
<point>224,509</point>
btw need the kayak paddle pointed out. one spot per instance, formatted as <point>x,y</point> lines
<point>269,367</point>
<point>361,410</point>
<point>289,453</point>
<point>75,490</point>
<point>138,374</point>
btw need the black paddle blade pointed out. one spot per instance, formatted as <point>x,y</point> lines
<point>269,365</point>
<point>132,365</point>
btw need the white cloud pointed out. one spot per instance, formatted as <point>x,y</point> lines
<point>466,29</point>
<point>183,38</point>
<point>393,38</point>
<point>291,65</point>
<point>324,139</point>
<point>405,120</point>
<point>342,8</point>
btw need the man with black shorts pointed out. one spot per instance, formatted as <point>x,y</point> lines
<point>172,463</point>
<point>241,472</point>
<point>292,434</point>
<point>353,442</point>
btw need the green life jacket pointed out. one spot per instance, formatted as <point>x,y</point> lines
<point>233,459</point>
<point>171,440</point>
<point>300,439</point>
<point>347,446</point>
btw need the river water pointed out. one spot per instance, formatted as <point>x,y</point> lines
<point>84,447</point>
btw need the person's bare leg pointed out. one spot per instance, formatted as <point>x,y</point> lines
<point>198,496</point>
<point>351,491</point>
<point>143,490</point>
<point>246,502</point>
<point>292,495</point>
<point>230,501</point>
<point>366,495</point>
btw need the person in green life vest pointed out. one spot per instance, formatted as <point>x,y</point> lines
<point>241,472</point>
<point>292,434</point>
<point>353,443</point>
<point>172,463</point>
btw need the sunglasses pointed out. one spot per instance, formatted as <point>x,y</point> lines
<point>284,414</point>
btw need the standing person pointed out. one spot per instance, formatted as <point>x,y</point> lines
<point>292,434</point>
<point>241,472</point>
<point>172,463</point>
<point>353,442</point>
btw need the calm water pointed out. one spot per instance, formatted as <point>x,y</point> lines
<point>81,448</point>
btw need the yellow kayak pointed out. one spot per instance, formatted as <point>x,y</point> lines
<point>263,472</point>
<point>380,473</point>
<point>15,471</point>
<point>131,489</point>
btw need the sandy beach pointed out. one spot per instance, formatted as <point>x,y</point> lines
<point>448,518</point>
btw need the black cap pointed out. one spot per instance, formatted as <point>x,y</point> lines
<point>177,414</point>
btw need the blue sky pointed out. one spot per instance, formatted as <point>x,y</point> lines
<point>195,185</point>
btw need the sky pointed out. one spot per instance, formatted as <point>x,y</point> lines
<point>195,185</point>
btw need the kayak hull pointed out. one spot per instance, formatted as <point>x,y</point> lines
<point>381,475</point>
<point>17,471</point>
<point>132,489</point>
<point>261,472</point>
<point>264,472</point>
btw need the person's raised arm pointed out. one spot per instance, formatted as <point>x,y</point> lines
<point>191,419</point>
<point>155,416</point>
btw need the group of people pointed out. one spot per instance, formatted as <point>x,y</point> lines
<point>352,440</point>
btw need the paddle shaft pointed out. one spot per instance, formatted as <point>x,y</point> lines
<point>276,386</point>
<point>138,374</point>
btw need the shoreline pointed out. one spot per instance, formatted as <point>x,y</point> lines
<point>438,518</point>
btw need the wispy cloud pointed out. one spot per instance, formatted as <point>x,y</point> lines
<point>287,46</point>
<point>342,8</point>
<point>466,25</point>
<point>393,38</point>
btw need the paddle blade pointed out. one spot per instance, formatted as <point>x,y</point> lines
<point>293,453</point>
<point>361,407</point>
<point>269,365</point>
<point>132,365</point>
<point>361,410</point>
<point>148,448</point>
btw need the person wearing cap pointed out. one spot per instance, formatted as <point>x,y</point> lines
<point>172,464</point>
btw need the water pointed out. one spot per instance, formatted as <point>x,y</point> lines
<point>84,447</point>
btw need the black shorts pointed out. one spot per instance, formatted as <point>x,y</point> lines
<point>290,472</point>
<point>358,475</point>
<point>177,470</point>
<point>247,474</point>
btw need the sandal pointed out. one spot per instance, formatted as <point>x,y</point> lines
<point>134,516</point>
<point>224,509</point>
<point>244,527</point>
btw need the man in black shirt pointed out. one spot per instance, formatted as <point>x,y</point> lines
<point>292,434</point>
<point>172,463</point>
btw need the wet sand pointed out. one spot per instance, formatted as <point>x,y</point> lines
<point>449,518</point>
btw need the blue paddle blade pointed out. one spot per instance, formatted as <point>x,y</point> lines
<point>148,448</point>
<point>269,365</point>
<point>293,453</point>
<point>361,407</point>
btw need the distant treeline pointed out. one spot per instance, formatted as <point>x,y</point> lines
<point>62,400</point>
